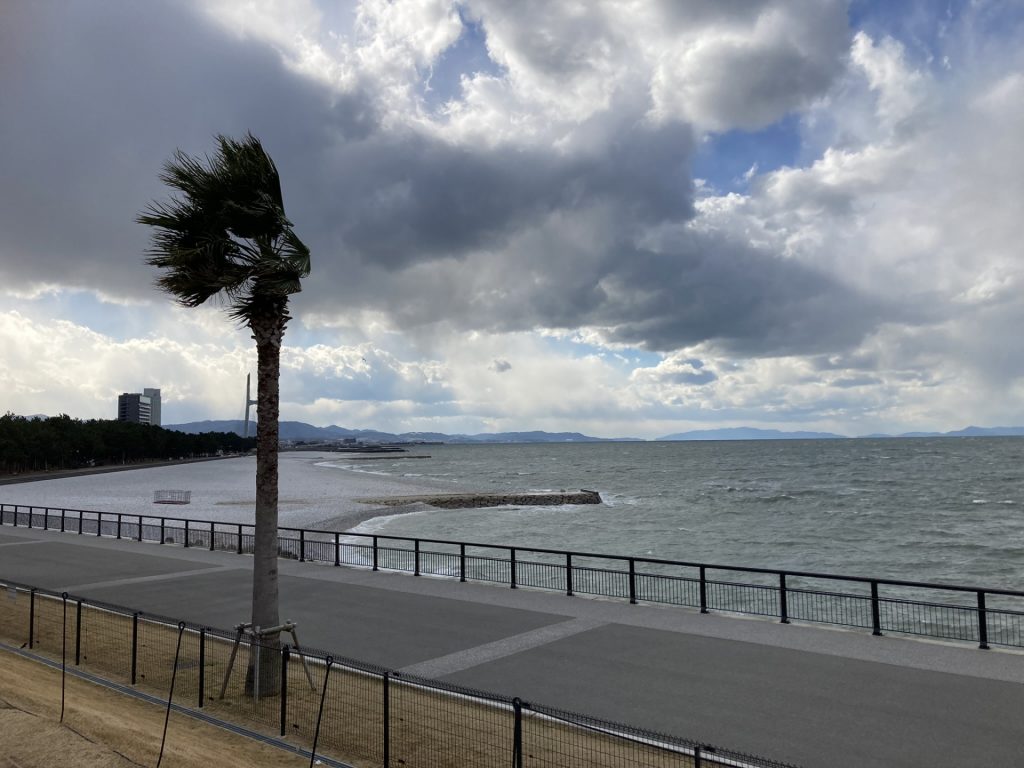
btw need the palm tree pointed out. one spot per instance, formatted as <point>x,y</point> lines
<point>223,235</point>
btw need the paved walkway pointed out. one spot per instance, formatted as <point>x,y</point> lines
<point>813,696</point>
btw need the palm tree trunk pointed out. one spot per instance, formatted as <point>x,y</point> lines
<point>268,333</point>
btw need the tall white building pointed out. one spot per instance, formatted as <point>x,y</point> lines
<point>140,408</point>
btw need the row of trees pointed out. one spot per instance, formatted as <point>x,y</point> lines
<point>60,442</point>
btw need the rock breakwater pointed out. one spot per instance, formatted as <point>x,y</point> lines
<point>477,500</point>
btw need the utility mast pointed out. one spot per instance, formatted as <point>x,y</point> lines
<point>248,402</point>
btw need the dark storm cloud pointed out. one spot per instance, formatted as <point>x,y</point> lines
<point>96,97</point>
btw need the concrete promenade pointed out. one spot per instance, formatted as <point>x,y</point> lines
<point>813,696</point>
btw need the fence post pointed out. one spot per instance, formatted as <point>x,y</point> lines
<point>31,616</point>
<point>696,757</point>
<point>876,617</point>
<point>186,534</point>
<point>46,518</point>
<point>202,665</point>
<point>387,720</point>
<point>512,567</point>
<point>982,622</point>
<point>517,733</point>
<point>140,529</point>
<point>162,536</point>
<point>337,549</point>
<point>213,530</point>
<point>78,632</point>
<point>62,513</point>
<point>239,538</point>
<point>30,518</point>
<point>135,644</point>
<point>703,590</point>
<point>119,525</point>
<point>568,573</point>
<point>375,553</point>
<point>99,524</point>
<point>79,522</point>
<point>462,562</point>
<point>783,606</point>
<point>285,655</point>
<point>632,581</point>
<point>302,545</point>
<point>417,557</point>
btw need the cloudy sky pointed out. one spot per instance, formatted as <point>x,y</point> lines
<point>620,217</point>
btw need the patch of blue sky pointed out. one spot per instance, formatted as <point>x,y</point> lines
<point>84,308</point>
<point>923,26</point>
<point>466,56</point>
<point>627,358</point>
<point>724,159</point>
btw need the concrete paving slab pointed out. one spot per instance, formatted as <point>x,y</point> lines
<point>59,564</point>
<point>11,539</point>
<point>807,708</point>
<point>392,629</point>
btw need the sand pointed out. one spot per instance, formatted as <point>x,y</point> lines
<point>313,493</point>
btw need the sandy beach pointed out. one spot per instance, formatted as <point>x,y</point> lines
<point>313,494</point>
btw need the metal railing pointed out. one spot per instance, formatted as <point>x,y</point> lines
<point>326,705</point>
<point>982,615</point>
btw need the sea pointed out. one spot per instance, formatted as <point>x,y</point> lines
<point>925,509</point>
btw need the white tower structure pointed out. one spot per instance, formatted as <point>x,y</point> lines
<point>248,402</point>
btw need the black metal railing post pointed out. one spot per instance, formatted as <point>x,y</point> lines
<point>462,562</point>
<point>162,536</point>
<point>63,512</point>
<point>140,528</point>
<point>302,545</point>
<point>30,518</point>
<point>568,573</point>
<point>186,534</point>
<point>982,622</point>
<point>213,531</point>
<point>632,581</point>
<point>416,555</point>
<point>135,645</point>
<point>876,614</point>
<point>31,617</point>
<point>337,549</point>
<point>512,567</point>
<point>239,550</point>
<point>202,665</point>
<point>286,654</point>
<point>46,518</point>
<point>387,720</point>
<point>99,523</point>
<point>703,590</point>
<point>783,603</point>
<point>696,758</point>
<point>78,632</point>
<point>517,733</point>
<point>118,525</point>
<point>375,553</point>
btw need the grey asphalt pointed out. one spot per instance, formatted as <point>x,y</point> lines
<point>812,696</point>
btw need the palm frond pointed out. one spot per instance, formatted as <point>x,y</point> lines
<point>224,234</point>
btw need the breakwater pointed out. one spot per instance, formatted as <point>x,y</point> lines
<point>477,500</point>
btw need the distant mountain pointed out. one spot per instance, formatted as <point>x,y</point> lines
<point>749,433</point>
<point>965,432</point>
<point>297,430</point>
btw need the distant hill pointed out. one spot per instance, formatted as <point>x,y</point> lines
<point>749,433</point>
<point>297,430</point>
<point>965,432</point>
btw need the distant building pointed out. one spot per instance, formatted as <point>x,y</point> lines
<point>140,408</point>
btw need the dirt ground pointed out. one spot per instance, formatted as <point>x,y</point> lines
<point>104,729</point>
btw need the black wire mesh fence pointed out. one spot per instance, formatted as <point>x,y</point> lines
<point>985,616</point>
<point>367,715</point>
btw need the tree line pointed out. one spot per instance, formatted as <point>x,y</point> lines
<point>60,442</point>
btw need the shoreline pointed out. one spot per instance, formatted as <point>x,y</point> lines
<point>59,474</point>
